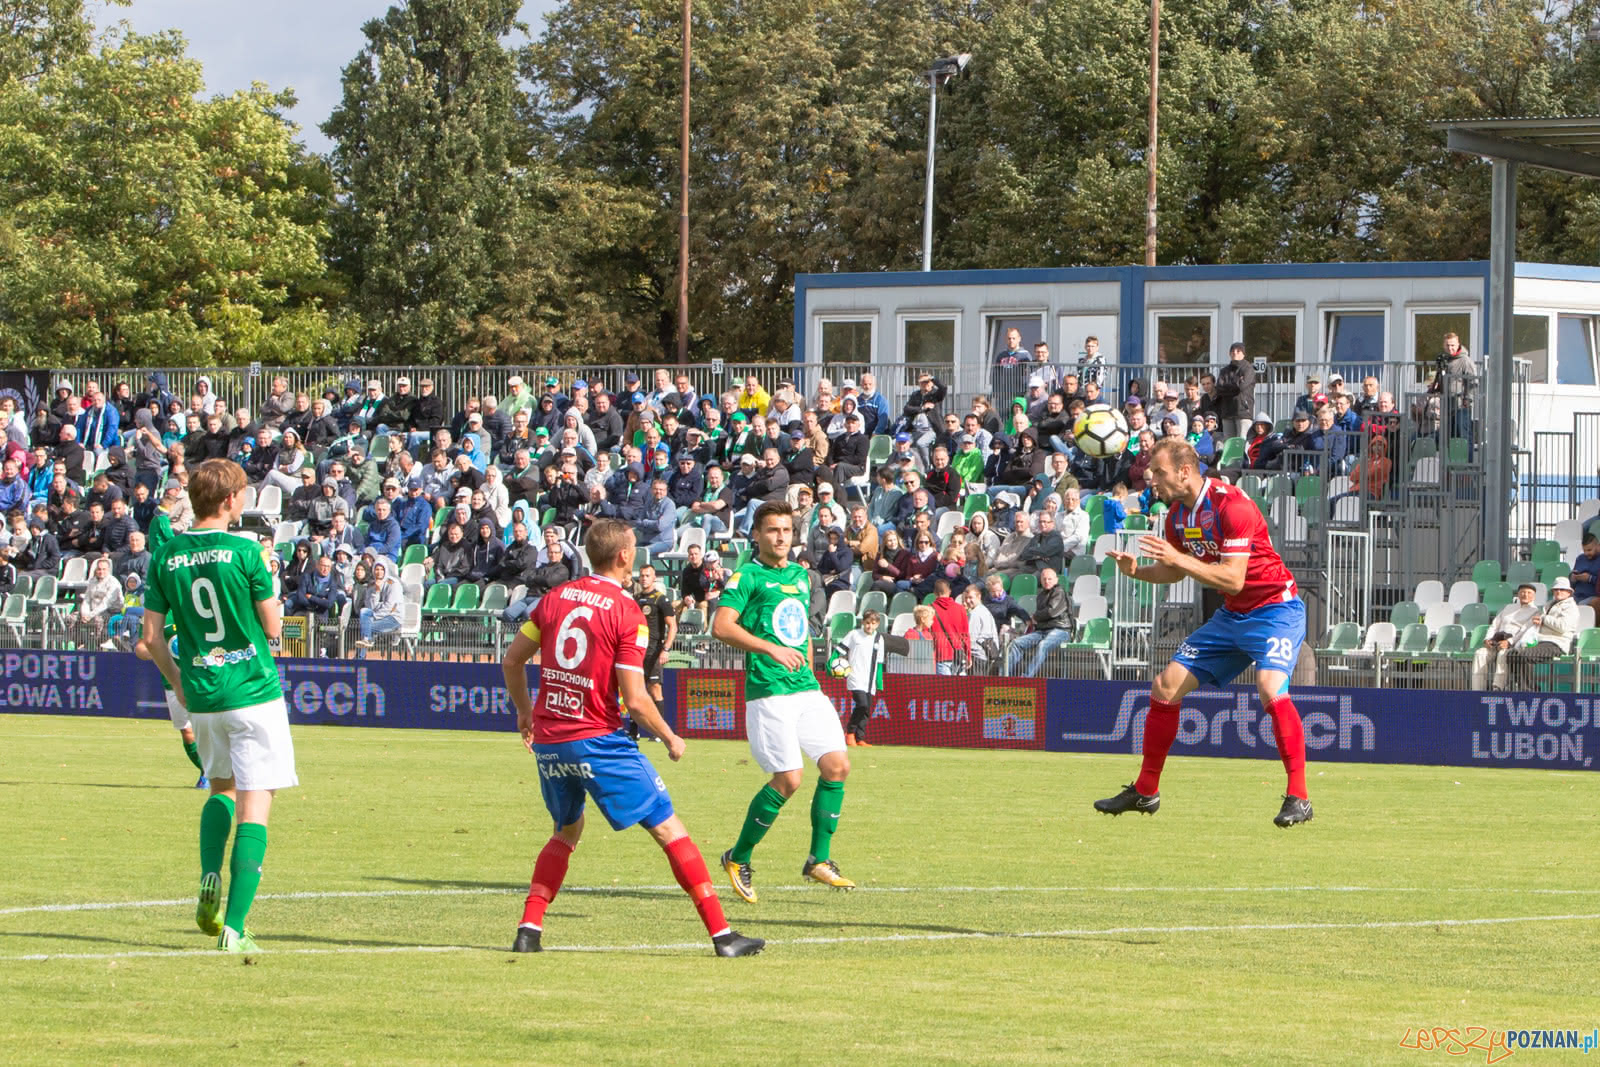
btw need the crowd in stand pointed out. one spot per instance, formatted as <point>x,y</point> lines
<point>376,478</point>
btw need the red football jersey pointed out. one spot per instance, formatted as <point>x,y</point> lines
<point>1226,522</point>
<point>587,630</point>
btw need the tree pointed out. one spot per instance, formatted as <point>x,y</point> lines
<point>141,224</point>
<point>429,148</point>
<point>36,36</point>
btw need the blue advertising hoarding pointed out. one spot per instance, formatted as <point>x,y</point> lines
<point>1419,726</point>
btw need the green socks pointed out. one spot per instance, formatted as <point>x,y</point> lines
<point>826,803</point>
<point>216,823</point>
<point>193,752</point>
<point>757,821</point>
<point>244,872</point>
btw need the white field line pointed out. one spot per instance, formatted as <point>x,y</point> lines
<point>601,890</point>
<point>679,946</point>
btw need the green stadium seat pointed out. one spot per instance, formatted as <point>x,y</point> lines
<point>437,600</point>
<point>901,604</point>
<point>1485,571</point>
<point>1452,640</point>
<point>1096,636</point>
<point>1498,596</point>
<point>1522,571</point>
<point>1028,602</point>
<point>414,554</point>
<point>872,600</point>
<point>1549,572</point>
<point>975,503</point>
<point>1345,637</point>
<point>928,599</point>
<point>1232,452</point>
<point>840,625</point>
<point>1475,615</point>
<point>1475,640</point>
<point>1082,565</point>
<point>1413,639</point>
<point>466,598</point>
<point>1024,584</point>
<point>496,598</point>
<point>24,586</point>
<point>1136,522</point>
<point>1546,551</point>
<point>1460,450</point>
<point>1404,614</point>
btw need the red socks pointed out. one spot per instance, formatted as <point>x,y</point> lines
<point>1160,730</point>
<point>689,868</point>
<point>549,871</point>
<point>1291,743</point>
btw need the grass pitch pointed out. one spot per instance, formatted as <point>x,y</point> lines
<point>1000,919</point>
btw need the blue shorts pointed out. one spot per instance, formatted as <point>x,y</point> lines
<point>609,768</point>
<point>1229,642</point>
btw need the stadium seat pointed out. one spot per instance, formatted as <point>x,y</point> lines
<point>840,624</point>
<point>863,585</point>
<point>1251,484</point>
<point>1095,635</point>
<point>1451,641</point>
<point>1460,451</point>
<point>1427,471</point>
<point>1589,509</point>
<point>900,624</point>
<point>380,448</point>
<point>412,592</point>
<point>410,626</point>
<point>947,525</point>
<point>1028,602</point>
<point>496,598</point>
<point>901,604</point>
<point>1232,452</point>
<point>842,603</point>
<point>1092,607</point>
<point>74,574</point>
<point>1404,614</point>
<point>1462,593</point>
<point>413,554</point>
<point>1024,584</point>
<point>1586,616</point>
<point>975,503</point>
<point>1430,591</point>
<point>413,572</point>
<point>1498,596</point>
<point>1437,616</point>
<point>1136,522</point>
<point>1082,565</point>
<point>1105,543</point>
<point>1549,572</point>
<point>24,586</point>
<point>1097,528</point>
<point>1344,637</point>
<point>1522,571</point>
<point>1475,614</point>
<point>1479,634</point>
<point>1086,585</point>
<point>872,600</point>
<point>928,599</point>
<point>1485,572</point>
<point>1546,551</point>
<point>15,615</point>
<point>1380,637</point>
<point>1414,639</point>
<point>438,599</point>
<point>687,535</point>
<point>267,508</point>
<point>466,598</point>
<point>1279,485</point>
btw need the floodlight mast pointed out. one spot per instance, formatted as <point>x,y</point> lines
<point>943,70</point>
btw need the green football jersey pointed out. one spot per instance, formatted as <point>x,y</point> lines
<point>774,604</point>
<point>208,582</point>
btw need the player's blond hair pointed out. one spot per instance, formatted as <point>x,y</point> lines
<point>213,482</point>
<point>607,538</point>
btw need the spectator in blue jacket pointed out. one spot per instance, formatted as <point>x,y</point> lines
<point>657,518</point>
<point>1586,571</point>
<point>97,425</point>
<point>687,483</point>
<point>414,512</point>
<point>383,532</point>
<point>14,491</point>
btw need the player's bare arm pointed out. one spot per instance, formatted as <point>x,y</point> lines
<point>270,613</point>
<point>636,695</point>
<point>157,652</point>
<point>725,628</point>
<point>514,666</point>
<point>1226,576</point>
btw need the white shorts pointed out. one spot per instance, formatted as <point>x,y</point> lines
<point>782,726</point>
<point>176,711</point>
<point>250,745</point>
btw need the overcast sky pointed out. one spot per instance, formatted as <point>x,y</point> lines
<point>296,44</point>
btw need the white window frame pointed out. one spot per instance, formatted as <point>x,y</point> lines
<point>820,318</point>
<point>1474,317</point>
<point>1152,333</point>
<point>988,315</point>
<point>1325,334</point>
<point>1297,310</point>
<point>903,317</point>
<point>1058,347</point>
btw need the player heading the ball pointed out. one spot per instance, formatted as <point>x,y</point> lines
<point>216,587</point>
<point>1216,535</point>
<point>765,612</point>
<point>589,638</point>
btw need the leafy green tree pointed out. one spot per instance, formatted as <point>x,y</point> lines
<point>430,141</point>
<point>142,224</point>
<point>36,36</point>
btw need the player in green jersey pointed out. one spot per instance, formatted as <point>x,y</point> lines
<point>764,611</point>
<point>175,709</point>
<point>218,590</point>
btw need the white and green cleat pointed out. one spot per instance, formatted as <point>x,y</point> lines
<point>208,905</point>
<point>240,944</point>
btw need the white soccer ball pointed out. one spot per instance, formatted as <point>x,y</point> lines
<point>1100,431</point>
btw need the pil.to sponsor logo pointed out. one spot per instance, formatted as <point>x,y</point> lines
<point>1496,1044</point>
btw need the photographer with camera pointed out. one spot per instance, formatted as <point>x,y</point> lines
<point>1456,379</point>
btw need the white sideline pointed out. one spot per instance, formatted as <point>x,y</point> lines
<point>116,905</point>
<point>951,936</point>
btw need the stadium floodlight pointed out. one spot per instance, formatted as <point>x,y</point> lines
<point>943,70</point>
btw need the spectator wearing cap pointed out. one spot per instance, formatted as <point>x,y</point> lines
<point>686,483</point>
<point>655,517</point>
<point>902,457</point>
<point>427,414</point>
<point>1301,437</point>
<point>391,490</point>
<point>1313,398</point>
<point>383,532</point>
<point>517,397</point>
<point>372,401</point>
<point>847,453</point>
<point>552,389</point>
<point>1550,634</point>
<point>393,414</point>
